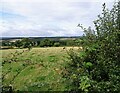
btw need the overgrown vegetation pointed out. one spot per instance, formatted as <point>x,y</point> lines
<point>96,69</point>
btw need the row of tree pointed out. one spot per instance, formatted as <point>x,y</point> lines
<point>26,43</point>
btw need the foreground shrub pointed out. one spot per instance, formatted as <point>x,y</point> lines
<point>96,69</point>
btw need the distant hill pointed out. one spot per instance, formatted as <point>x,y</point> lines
<point>13,39</point>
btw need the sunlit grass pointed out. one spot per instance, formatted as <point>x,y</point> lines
<point>38,69</point>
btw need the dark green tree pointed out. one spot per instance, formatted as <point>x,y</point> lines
<point>27,43</point>
<point>18,43</point>
<point>46,43</point>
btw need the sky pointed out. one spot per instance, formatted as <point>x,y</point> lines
<point>47,18</point>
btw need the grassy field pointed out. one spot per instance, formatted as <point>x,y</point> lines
<point>39,69</point>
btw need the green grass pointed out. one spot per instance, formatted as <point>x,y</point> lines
<point>36,70</point>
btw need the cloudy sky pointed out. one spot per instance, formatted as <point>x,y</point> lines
<point>48,17</point>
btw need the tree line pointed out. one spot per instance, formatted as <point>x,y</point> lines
<point>27,43</point>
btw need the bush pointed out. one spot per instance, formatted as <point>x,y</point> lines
<point>57,44</point>
<point>96,69</point>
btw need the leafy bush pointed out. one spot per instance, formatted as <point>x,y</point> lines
<point>96,69</point>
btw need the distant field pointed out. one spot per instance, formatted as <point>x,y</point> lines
<point>39,69</point>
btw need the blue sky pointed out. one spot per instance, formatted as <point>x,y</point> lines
<point>48,17</point>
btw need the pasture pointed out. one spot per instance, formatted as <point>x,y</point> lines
<point>39,69</point>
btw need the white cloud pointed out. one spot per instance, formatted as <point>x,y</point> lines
<point>58,0</point>
<point>48,17</point>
